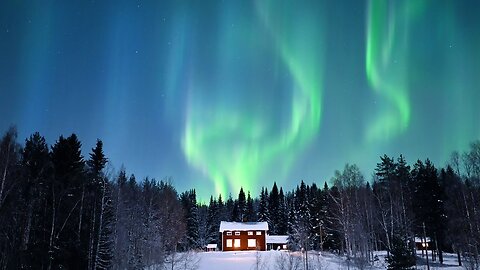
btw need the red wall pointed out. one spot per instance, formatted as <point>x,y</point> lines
<point>244,240</point>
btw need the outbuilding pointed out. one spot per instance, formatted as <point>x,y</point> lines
<point>277,242</point>
<point>211,247</point>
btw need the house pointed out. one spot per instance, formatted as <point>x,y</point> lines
<point>277,242</point>
<point>423,243</point>
<point>237,236</point>
<point>211,247</point>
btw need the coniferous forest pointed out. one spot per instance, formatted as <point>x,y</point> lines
<point>64,209</point>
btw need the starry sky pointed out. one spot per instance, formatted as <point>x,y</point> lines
<point>220,95</point>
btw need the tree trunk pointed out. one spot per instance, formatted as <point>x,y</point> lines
<point>28,226</point>
<point>92,235</point>
<point>4,177</point>
<point>52,231</point>
<point>81,214</point>
<point>100,225</point>
<point>459,258</point>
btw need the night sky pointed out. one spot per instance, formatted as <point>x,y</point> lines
<point>224,94</point>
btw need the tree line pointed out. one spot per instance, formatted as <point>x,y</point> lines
<point>60,209</point>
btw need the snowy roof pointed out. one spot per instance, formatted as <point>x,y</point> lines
<point>422,240</point>
<point>212,246</point>
<point>243,226</point>
<point>277,239</point>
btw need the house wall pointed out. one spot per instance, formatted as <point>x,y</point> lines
<point>276,246</point>
<point>244,240</point>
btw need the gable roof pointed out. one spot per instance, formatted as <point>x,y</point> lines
<point>243,226</point>
<point>277,239</point>
<point>212,246</point>
<point>422,240</point>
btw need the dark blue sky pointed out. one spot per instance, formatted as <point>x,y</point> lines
<point>223,94</point>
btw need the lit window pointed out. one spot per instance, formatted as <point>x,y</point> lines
<point>229,233</point>
<point>284,246</point>
<point>250,233</point>
<point>259,232</point>
<point>236,243</point>
<point>252,243</point>
<point>237,233</point>
<point>229,243</point>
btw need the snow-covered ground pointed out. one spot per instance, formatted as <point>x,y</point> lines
<point>273,260</point>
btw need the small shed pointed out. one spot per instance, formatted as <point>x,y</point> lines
<point>423,243</point>
<point>211,247</point>
<point>277,242</point>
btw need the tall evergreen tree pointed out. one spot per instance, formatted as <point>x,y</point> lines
<point>282,226</point>
<point>63,203</point>
<point>190,210</point>
<point>242,205</point>
<point>401,257</point>
<point>250,211</point>
<point>263,214</point>
<point>36,162</point>
<point>428,198</point>
<point>213,221</point>
<point>100,244</point>
<point>273,209</point>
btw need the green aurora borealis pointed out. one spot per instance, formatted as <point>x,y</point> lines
<point>232,146</point>
<point>227,94</point>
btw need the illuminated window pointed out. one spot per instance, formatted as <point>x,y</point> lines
<point>259,233</point>
<point>229,243</point>
<point>229,233</point>
<point>236,243</point>
<point>252,243</point>
<point>237,233</point>
<point>284,246</point>
<point>250,233</point>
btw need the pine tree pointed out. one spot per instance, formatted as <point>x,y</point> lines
<point>263,214</point>
<point>273,209</point>
<point>212,221</point>
<point>36,162</point>
<point>100,248</point>
<point>401,257</point>
<point>250,211</point>
<point>242,204</point>
<point>190,209</point>
<point>428,198</point>
<point>301,227</point>
<point>282,226</point>
<point>64,198</point>
<point>229,209</point>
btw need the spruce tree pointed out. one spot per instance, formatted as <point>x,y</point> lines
<point>190,210</point>
<point>64,198</point>
<point>250,211</point>
<point>273,209</point>
<point>229,209</point>
<point>282,226</point>
<point>401,257</point>
<point>241,204</point>
<point>213,221</point>
<point>263,214</point>
<point>100,247</point>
